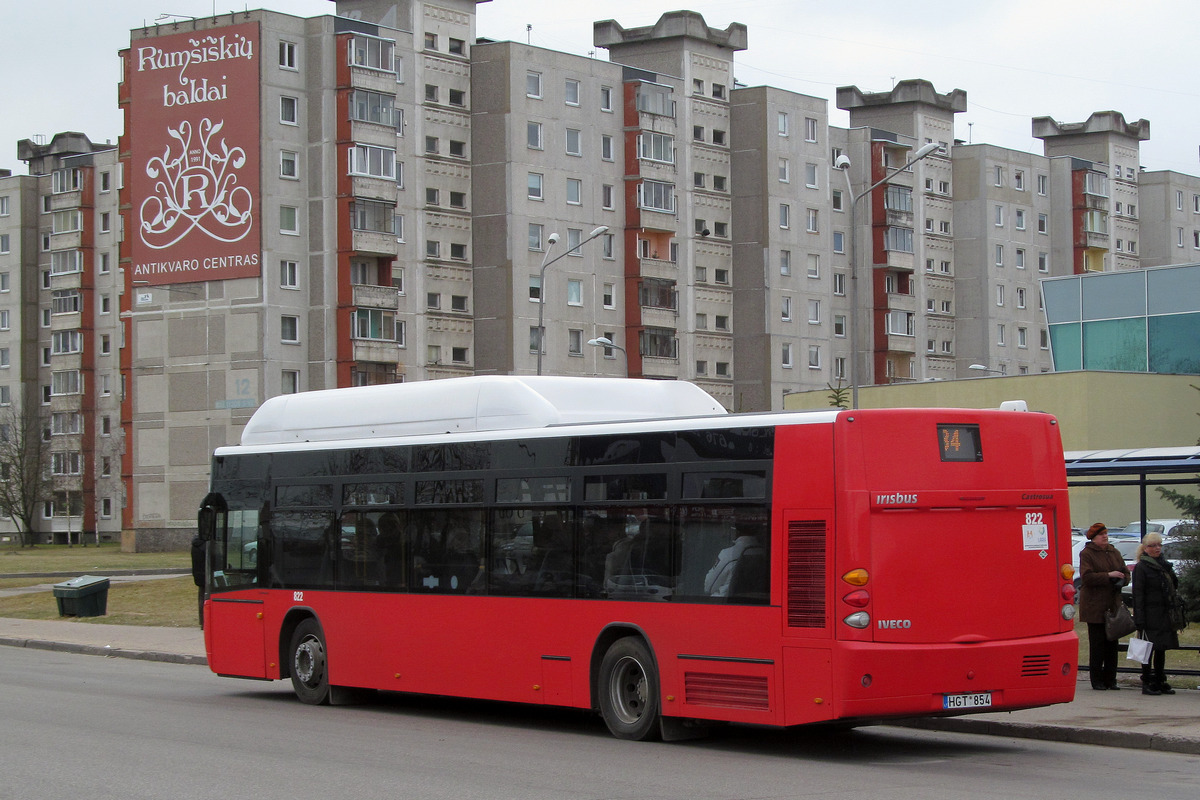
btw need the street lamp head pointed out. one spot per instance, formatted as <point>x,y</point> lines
<point>925,150</point>
<point>552,238</point>
<point>598,231</point>
<point>977,367</point>
<point>601,341</point>
<point>843,162</point>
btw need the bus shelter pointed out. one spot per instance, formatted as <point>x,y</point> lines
<point>1140,468</point>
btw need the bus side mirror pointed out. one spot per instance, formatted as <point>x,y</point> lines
<point>206,523</point>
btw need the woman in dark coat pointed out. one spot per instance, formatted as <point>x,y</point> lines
<point>1102,573</point>
<point>1154,585</point>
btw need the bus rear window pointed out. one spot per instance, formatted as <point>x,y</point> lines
<point>959,443</point>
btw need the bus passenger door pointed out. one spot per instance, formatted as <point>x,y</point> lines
<point>233,629</point>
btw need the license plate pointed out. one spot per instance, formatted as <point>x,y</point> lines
<point>952,702</point>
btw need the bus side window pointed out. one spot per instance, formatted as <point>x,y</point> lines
<point>302,554</point>
<point>447,550</point>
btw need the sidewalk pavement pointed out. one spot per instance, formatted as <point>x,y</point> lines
<point>1125,718</point>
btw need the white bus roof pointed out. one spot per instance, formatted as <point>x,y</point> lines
<point>471,404</point>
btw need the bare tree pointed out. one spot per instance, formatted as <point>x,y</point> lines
<point>24,468</point>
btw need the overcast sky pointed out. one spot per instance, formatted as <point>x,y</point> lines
<point>1016,59</point>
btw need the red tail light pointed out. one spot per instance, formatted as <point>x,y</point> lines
<point>858,599</point>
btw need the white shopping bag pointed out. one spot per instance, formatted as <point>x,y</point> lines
<point>1139,650</point>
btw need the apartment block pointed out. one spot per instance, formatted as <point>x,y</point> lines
<point>381,195</point>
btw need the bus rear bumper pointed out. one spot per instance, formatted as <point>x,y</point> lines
<point>891,680</point>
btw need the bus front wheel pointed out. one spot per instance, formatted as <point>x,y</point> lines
<point>629,690</point>
<point>310,677</point>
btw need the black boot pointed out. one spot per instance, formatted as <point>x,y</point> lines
<point>1150,688</point>
<point>1163,686</point>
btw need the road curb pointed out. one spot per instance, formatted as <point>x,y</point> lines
<point>106,651</point>
<point>1131,740</point>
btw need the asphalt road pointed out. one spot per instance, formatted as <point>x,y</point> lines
<point>97,728</point>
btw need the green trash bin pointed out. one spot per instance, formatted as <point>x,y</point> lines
<point>85,596</point>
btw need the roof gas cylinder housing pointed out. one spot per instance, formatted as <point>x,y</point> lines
<point>461,405</point>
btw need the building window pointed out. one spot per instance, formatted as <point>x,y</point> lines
<point>814,356</point>
<point>574,191</point>
<point>785,175</point>
<point>606,95</point>
<point>287,164</point>
<point>458,251</point>
<point>785,215</point>
<point>839,325</point>
<point>533,135</point>
<point>781,123</point>
<point>571,92</point>
<point>457,97</point>
<point>535,186</point>
<point>287,55</point>
<point>288,275</point>
<point>458,149</point>
<point>457,47</point>
<point>813,265</point>
<point>288,223</point>
<point>606,147</point>
<point>533,85</point>
<point>288,111</point>
<point>289,381</point>
<point>433,249</point>
<point>786,356</point>
<point>377,162</point>
<point>839,242</point>
<point>608,296</point>
<point>810,129</point>
<point>574,342</point>
<point>432,145</point>
<point>459,355</point>
<point>810,176</point>
<point>839,284</point>
<point>785,262</point>
<point>785,309</point>
<point>814,312</point>
<point>656,196</point>
<point>811,220</point>
<point>373,323</point>
<point>433,300</point>
<point>657,147</point>
<point>606,197</point>
<point>289,329</point>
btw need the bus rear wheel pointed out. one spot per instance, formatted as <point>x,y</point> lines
<point>629,690</point>
<point>310,676</point>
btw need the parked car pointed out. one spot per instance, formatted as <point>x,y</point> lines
<point>1167,527</point>
<point>1128,550</point>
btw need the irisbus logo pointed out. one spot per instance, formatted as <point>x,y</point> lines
<point>895,499</point>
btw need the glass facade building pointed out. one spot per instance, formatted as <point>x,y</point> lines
<point>1136,321</point>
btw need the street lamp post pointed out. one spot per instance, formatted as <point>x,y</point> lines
<point>984,368</point>
<point>606,343</point>
<point>843,163</point>
<point>547,261</point>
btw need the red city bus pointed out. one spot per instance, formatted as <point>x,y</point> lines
<point>627,546</point>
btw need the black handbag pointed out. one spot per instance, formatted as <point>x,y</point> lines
<point>1118,622</point>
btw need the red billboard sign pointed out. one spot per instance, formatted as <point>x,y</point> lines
<point>194,156</point>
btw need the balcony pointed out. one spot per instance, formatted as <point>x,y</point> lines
<point>385,297</point>
<point>377,351</point>
<point>897,343</point>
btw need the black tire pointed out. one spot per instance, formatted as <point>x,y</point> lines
<point>629,690</point>
<point>309,663</point>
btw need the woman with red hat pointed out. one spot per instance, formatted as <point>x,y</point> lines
<point>1102,573</point>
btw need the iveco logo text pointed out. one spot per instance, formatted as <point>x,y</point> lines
<point>895,499</point>
<point>895,623</point>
